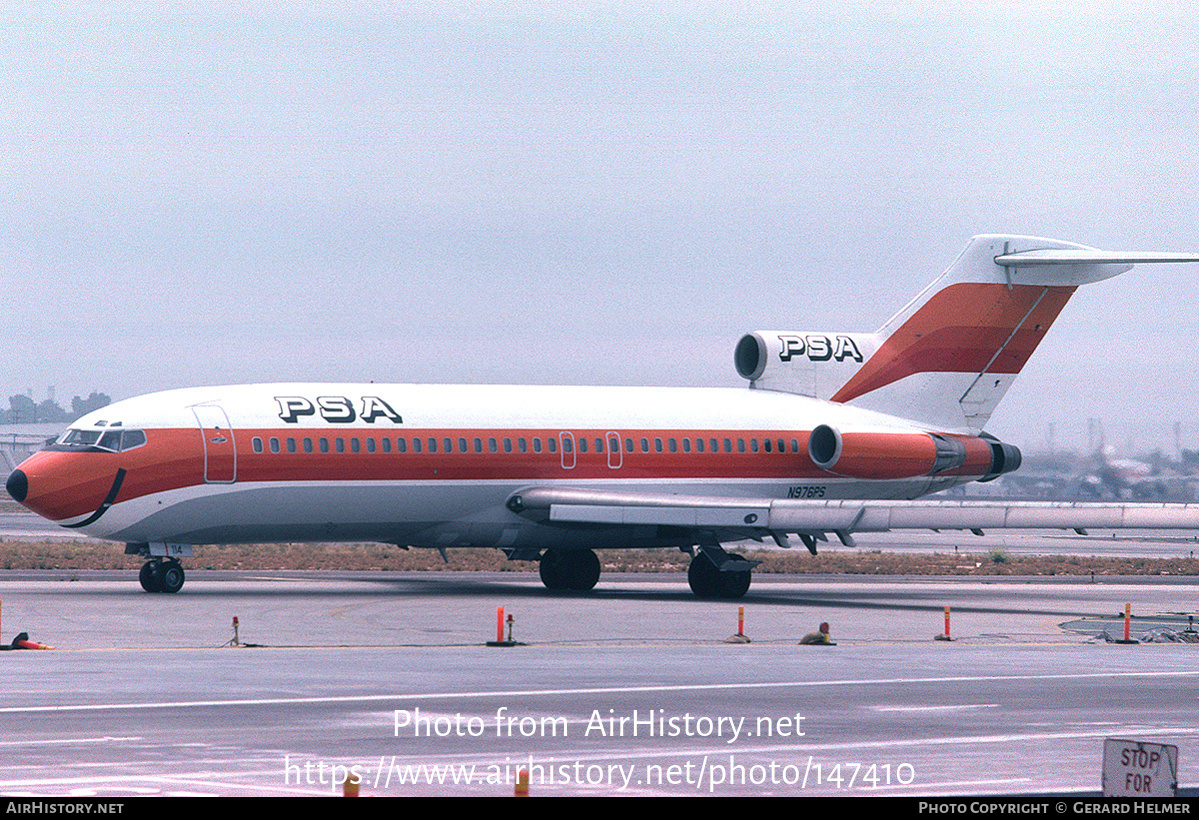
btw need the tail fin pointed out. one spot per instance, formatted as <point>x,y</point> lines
<point>949,356</point>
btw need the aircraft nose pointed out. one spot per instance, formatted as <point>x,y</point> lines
<point>17,485</point>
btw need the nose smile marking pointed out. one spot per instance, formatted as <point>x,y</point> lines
<point>103,508</point>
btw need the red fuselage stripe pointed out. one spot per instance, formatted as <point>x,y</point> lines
<point>489,454</point>
<point>72,484</point>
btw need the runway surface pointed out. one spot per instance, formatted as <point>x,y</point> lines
<point>627,690</point>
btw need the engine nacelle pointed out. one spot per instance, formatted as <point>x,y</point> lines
<point>872,455</point>
<point>803,362</point>
<point>892,455</point>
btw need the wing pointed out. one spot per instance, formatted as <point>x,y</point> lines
<point>733,518</point>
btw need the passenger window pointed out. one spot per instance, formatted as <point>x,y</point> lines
<point>274,444</point>
<point>291,445</point>
<point>307,445</point>
<point>257,444</point>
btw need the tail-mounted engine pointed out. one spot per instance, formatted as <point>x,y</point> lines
<point>802,362</point>
<point>893,455</point>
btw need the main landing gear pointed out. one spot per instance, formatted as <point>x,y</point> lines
<point>576,570</point>
<point>714,573</point>
<point>158,575</point>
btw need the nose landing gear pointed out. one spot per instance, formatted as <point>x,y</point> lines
<point>161,572</point>
<point>158,575</point>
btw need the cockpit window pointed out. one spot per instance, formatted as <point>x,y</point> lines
<point>115,441</point>
<point>80,438</point>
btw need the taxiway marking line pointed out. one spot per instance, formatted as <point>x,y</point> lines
<point>943,708</point>
<point>598,690</point>
<point>107,739</point>
<point>197,779</point>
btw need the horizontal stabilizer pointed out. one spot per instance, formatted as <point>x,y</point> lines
<point>1055,256</point>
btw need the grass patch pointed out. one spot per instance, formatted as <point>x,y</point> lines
<point>61,554</point>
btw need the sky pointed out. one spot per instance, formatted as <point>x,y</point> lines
<point>584,193</point>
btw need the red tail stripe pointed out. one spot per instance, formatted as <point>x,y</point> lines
<point>959,330</point>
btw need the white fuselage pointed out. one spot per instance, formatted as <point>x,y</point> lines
<point>432,466</point>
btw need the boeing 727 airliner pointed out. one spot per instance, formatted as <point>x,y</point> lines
<point>838,433</point>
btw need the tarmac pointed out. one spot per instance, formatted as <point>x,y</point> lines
<point>630,689</point>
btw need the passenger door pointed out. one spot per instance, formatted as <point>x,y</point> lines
<point>220,450</point>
